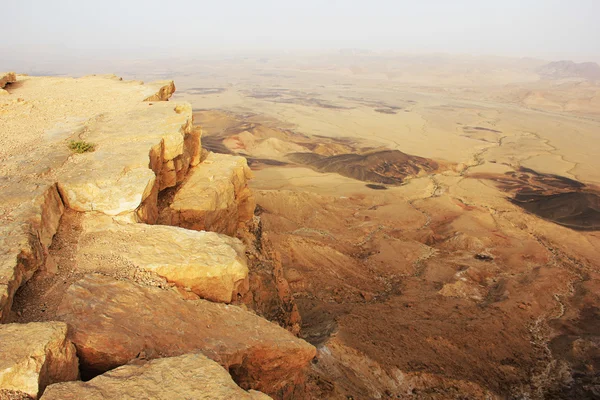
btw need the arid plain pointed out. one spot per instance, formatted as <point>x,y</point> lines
<point>437,216</point>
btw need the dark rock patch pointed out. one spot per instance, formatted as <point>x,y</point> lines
<point>385,111</point>
<point>576,210</point>
<point>555,198</point>
<point>375,187</point>
<point>389,167</point>
<point>480,128</point>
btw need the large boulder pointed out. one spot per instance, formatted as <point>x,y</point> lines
<point>33,356</point>
<point>214,197</point>
<point>113,322</point>
<point>211,265</point>
<point>190,376</point>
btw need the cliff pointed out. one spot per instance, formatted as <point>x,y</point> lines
<point>117,223</point>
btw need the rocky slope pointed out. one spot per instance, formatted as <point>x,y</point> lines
<point>569,69</point>
<point>89,167</point>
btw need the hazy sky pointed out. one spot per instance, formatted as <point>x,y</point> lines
<point>542,28</point>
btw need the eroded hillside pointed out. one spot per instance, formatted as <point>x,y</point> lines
<point>469,277</point>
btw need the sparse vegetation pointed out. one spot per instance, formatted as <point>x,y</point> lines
<point>80,146</point>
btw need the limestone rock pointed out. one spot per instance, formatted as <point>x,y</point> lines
<point>35,211</point>
<point>209,264</point>
<point>190,376</point>
<point>112,322</point>
<point>214,197</point>
<point>115,179</point>
<point>7,77</point>
<point>135,141</point>
<point>160,90</point>
<point>33,356</point>
<point>172,170</point>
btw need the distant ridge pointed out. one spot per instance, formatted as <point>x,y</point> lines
<point>570,69</point>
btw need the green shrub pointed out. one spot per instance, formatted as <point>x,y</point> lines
<point>80,146</point>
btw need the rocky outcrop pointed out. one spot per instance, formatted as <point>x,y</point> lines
<point>6,77</point>
<point>113,322</point>
<point>211,265</point>
<point>191,376</point>
<point>160,90</point>
<point>173,170</point>
<point>214,197</point>
<point>110,150</point>
<point>33,356</point>
<point>35,211</point>
<point>115,179</point>
<point>269,293</point>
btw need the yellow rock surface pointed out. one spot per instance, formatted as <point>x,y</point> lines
<point>112,322</point>
<point>115,178</point>
<point>140,147</point>
<point>159,90</point>
<point>190,376</point>
<point>214,197</point>
<point>33,356</point>
<point>209,264</point>
<point>34,212</point>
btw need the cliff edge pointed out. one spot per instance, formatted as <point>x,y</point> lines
<point>107,195</point>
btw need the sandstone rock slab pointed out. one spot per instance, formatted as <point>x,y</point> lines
<point>33,356</point>
<point>112,322</point>
<point>118,176</point>
<point>214,197</point>
<point>190,376</point>
<point>211,265</point>
<point>34,211</point>
<point>135,142</point>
